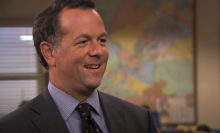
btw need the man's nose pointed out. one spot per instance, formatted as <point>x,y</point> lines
<point>96,49</point>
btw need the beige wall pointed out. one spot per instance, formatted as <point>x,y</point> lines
<point>208,89</point>
<point>22,12</point>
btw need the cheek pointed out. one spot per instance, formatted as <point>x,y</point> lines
<point>63,58</point>
<point>106,55</point>
<point>75,59</point>
<point>78,55</point>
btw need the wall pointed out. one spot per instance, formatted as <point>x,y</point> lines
<point>22,12</point>
<point>208,89</point>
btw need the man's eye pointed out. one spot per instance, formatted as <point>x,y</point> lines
<point>83,42</point>
<point>103,40</point>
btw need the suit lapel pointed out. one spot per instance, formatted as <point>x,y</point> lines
<point>49,119</point>
<point>115,117</point>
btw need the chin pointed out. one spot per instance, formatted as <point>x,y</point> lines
<point>93,86</point>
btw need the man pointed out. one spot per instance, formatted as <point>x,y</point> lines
<point>70,39</point>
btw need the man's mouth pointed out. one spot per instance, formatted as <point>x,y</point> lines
<point>92,66</point>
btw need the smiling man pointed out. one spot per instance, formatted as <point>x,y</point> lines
<point>70,39</point>
<point>78,64</point>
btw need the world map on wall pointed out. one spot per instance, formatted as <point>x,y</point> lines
<point>150,43</point>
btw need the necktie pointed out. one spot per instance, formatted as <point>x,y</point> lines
<point>88,124</point>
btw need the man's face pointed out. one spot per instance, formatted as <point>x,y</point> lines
<point>82,55</point>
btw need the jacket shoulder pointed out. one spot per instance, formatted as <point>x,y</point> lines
<point>135,115</point>
<point>19,118</point>
<point>131,109</point>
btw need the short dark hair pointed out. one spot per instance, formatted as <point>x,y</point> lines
<point>46,24</point>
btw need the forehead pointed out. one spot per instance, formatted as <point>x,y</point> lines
<point>78,18</point>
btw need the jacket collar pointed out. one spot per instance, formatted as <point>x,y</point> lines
<point>115,117</point>
<point>49,119</point>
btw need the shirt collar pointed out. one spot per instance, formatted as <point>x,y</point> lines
<point>67,104</point>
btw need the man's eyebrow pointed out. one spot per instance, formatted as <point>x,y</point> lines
<point>88,36</point>
<point>83,35</point>
<point>102,35</point>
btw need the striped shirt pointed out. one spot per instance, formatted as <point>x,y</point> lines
<point>67,107</point>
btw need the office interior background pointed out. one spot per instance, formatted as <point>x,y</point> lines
<point>20,13</point>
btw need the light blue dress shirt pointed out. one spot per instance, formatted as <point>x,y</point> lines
<point>67,107</point>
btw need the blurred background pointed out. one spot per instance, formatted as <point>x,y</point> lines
<point>143,36</point>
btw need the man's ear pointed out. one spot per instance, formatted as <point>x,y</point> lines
<point>48,53</point>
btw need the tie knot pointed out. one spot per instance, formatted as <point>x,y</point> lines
<point>84,109</point>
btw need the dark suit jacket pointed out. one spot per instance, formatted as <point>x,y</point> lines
<point>41,115</point>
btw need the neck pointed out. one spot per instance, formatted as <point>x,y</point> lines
<point>77,93</point>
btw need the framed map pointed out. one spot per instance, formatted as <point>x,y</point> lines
<point>151,47</point>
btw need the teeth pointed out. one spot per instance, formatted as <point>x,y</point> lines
<point>92,67</point>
